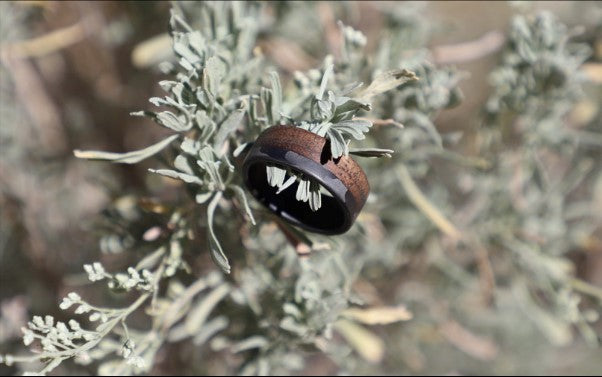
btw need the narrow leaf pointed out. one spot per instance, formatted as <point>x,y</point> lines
<point>217,253</point>
<point>203,197</point>
<point>367,344</point>
<point>315,201</point>
<point>255,341</point>
<point>327,73</point>
<point>275,176</point>
<point>338,147</point>
<point>303,190</point>
<point>379,315</point>
<point>172,121</point>
<point>242,198</point>
<point>276,96</point>
<point>371,152</point>
<point>386,81</point>
<point>210,328</point>
<point>354,128</point>
<point>129,157</point>
<point>241,148</point>
<point>212,75</point>
<point>177,175</point>
<point>198,315</point>
<point>287,184</point>
<point>227,127</point>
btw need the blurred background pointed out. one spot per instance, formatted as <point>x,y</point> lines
<point>71,72</point>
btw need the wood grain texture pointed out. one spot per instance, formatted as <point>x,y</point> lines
<point>317,148</point>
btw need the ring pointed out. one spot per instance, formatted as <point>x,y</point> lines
<point>302,151</point>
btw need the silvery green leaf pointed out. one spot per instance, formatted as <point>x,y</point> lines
<point>305,126</point>
<point>217,253</point>
<point>172,121</point>
<point>321,129</point>
<point>371,152</point>
<point>303,192</point>
<point>338,147</point>
<point>227,162</point>
<point>289,324</point>
<point>190,146</point>
<point>315,201</point>
<point>423,121</point>
<point>347,108</point>
<point>181,163</point>
<point>292,310</point>
<point>276,96</point>
<point>255,341</point>
<point>151,260</point>
<point>327,73</point>
<point>240,149</point>
<point>325,109</point>
<point>167,85</point>
<point>129,157</point>
<point>210,328</point>
<point>186,64</point>
<point>266,97</point>
<point>205,124</point>
<point>180,47</point>
<point>167,68</point>
<point>197,316</point>
<point>242,198</point>
<point>350,88</point>
<point>344,104</point>
<point>210,166</point>
<point>203,197</point>
<point>354,128</point>
<point>203,97</point>
<point>352,37</point>
<point>184,95</point>
<point>177,175</point>
<point>144,113</point>
<point>212,75</point>
<point>386,81</point>
<point>275,176</point>
<point>196,42</point>
<point>158,101</point>
<point>287,183</point>
<point>227,127</point>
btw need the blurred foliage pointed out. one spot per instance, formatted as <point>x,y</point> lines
<point>473,248</point>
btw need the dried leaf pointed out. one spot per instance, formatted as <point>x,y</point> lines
<point>386,81</point>
<point>369,346</point>
<point>197,316</point>
<point>379,315</point>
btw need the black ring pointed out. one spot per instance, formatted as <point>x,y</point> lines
<point>305,152</point>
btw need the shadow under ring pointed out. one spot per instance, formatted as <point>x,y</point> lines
<point>302,151</point>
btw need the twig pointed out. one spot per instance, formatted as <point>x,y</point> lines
<point>383,122</point>
<point>47,43</point>
<point>474,345</point>
<point>300,243</point>
<point>587,288</point>
<point>429,210</point>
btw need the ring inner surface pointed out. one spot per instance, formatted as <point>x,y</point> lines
<point>329,218</point>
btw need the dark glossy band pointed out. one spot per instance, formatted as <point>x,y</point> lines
<point>303,151</point>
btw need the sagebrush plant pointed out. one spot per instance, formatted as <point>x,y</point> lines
<point>267,307</point>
